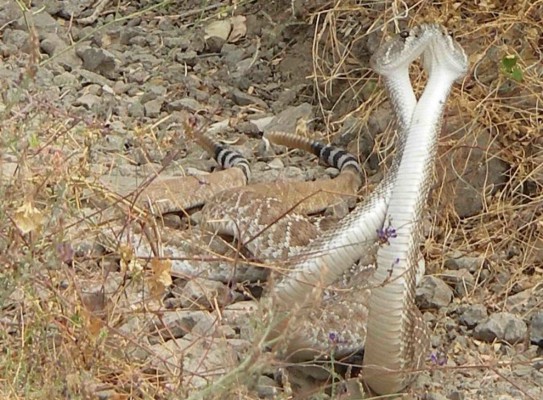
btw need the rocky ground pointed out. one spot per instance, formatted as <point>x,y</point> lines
<point>84,102</point>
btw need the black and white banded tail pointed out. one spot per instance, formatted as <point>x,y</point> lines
<point>225,156</point>
<point>330,155</point>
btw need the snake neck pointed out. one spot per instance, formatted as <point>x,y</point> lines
<point>392,300</point>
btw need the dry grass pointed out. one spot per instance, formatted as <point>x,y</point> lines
<point>60,336</point>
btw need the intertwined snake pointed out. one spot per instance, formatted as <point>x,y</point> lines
<point>396,341</point>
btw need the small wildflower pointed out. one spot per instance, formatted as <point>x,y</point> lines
<point>386,233</point>
<point>438,358</point>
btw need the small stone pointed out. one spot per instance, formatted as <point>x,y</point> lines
<point>88,101</point>
<point>331,172</point>
<point>461,279</point>
<point>184,104</point>
<point>17,38</point>
<point>152,92</point>
<point>267,388</point>
<point>433,293</point>
<point>501,326</point>
<point>459,261</point>
<point>456,395</point>
<point>536,329</point>
<point>66,79</point>
<point>41,21</point>
<point>244,99</point>
<point>175,324</point>
<point>473,315</point>
<point>204,292</point>
<point>136,109</point>
<point>152,108</point>
<point>248,128</point>
<point>276,163</point>
<point>181,43</point>
<point>98,60</point>
<point>188,57</point>
<point>92,77</point>
<point>520,302</point>
<point>287,119</point>
<point>214,44</point>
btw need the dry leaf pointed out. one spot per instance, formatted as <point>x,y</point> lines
<point>28,218</point>
<point>239,28</point>
<point>162,278</point>
<point>129,263</point>
<point>93,324</point>
<point>220,29</point>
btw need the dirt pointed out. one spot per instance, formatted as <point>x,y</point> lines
<point>84,102</point>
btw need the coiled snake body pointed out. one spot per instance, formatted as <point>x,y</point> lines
<point>396,341</point>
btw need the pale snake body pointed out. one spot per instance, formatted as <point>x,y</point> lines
<point>396,341</point>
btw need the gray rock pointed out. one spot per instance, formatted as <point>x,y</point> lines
<point>473,315</point>
<point>153,91</point>
<point>203,293</point>
<point>135,109</point>
<point>55,47</point>
<point>244,99</point>
<point>184,104</point>
<point>177,42</point>
<point>456,395</point>
<point>460,261</point>
<point>232,54</point>
<point>152,108</point>
<point>199,95</point>
<point>175,324</point>
<point>267,388</point>
<point>98,60</point>
<point>66,79</point>
<point>92,77</point>
<point>42,22</point>
<point>433,293</point>
<point>379,120</point>
<point>501,326</point>
<point>462,281</point>
<point>276,163</point>
<point>434,396</point>
<point>9,11</point>
<point>198,362</point>
<point>189,57</point>
<point>536,329</point>
<point>148,61</point>
<point>17,38</point>
<point>72,8</point>
<point>520,302</point>
<point>88,101</point>
<point>287,119</point>
<point>214,44</point>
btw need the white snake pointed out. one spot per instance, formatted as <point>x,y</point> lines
<point>396,334</point>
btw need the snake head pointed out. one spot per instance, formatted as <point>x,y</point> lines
<point>445,53</point>
<point>399,52</point>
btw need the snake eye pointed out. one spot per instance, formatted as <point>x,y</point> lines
<point>450,33</point>
<point>404,34</point>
